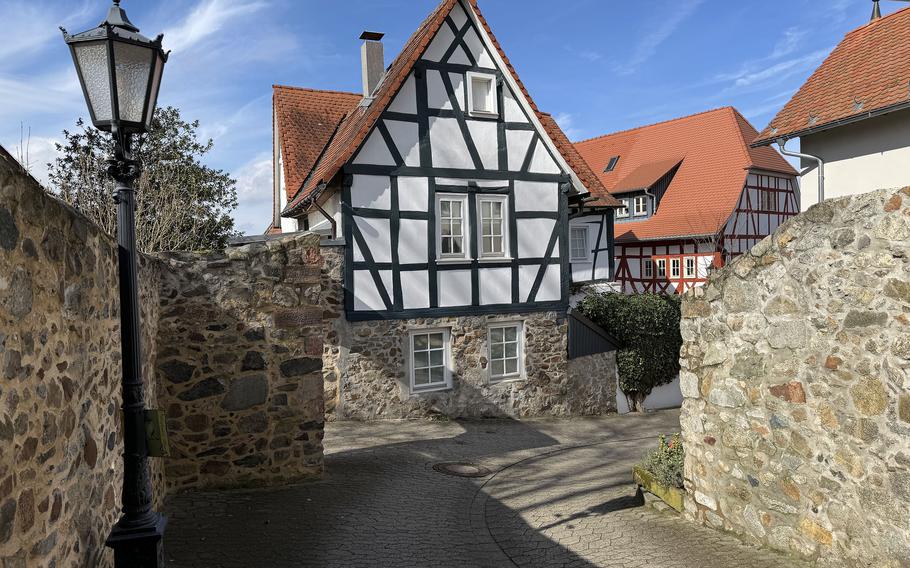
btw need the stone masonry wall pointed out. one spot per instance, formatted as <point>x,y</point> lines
<point>796,377</point>
<point>240,344</point>
<point>60,437</point>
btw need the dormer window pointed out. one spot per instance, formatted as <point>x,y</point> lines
<point>482,94</point>
<point>611,165</point>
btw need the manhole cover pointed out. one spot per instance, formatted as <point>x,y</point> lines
<point>462,469</point>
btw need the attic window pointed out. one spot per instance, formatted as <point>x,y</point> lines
<point>482,94</point>
<point>611,165</point>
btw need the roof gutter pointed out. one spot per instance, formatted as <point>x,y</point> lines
<point>841,122</point>
<point>782,145</point>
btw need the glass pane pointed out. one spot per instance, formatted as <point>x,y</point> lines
<point>496,351</point>
<point>511,333</point>
<point>486,209</point>
<point>511,366</point>
<point>421,376</point>
<point>156,82</point>
<point>437,376</point>
<point>480,94</point>
<point>497,244</point>
<point>445,209</point>
<point>487,227</point>
<point>456,209</point>
<point>436,358</point>
<point>421,359</point>
<point>511,350</point>
<point>497,209</point>
<point>496,335</point>
<point>134,69</point>
<point>488,244</point>
<point>420,342</point>
<point>92,58</point>
<point>436,340</point>
<point>497,368</point>
<point>456,246</point>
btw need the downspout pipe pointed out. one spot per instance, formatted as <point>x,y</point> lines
<point>782,145</point>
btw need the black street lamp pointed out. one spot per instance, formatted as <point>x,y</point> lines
<point>120,72</point>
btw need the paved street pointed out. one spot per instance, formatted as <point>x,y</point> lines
<point>558,494</point>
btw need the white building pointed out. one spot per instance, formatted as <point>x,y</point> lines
<point>854,114</point>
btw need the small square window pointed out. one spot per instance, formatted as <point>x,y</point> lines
<point>506,352</point>
<point>578,245</point>
<point>661,268</point>
<point>690,267</point>
<point>641,206</point>
<point>768,200</point>
<point>482,94</point>
<point>429,360</point>
<point>622,212</point>
<point>648,268</point>
<point>674,267</point>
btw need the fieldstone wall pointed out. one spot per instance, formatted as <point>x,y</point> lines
<point>60,437</point>
<point>240,363</point>
<point>372,373</point>
<point>796,373</point>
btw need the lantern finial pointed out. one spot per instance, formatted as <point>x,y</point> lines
<point>116,17</point>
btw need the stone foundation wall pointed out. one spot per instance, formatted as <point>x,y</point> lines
<point>240,344</point>
<point>372,377</point>
<point>60,368</point>
<point>796,373</point>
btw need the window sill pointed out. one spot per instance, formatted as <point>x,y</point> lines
<point>494,259</point>
<point>453,260</point>
<point>581,260</point>
<point>424,390</point>
<point>483,114</point>
<point>508,379</point>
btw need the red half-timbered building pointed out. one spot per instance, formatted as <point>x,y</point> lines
<point>695,195</point>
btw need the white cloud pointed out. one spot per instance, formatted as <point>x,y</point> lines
<point>665,27</point>
<point>34,153</point>
<point>778,71</point>
<point>254,194</point>
<point>29,27</point>
<point>205,20</point>
<point>566,121</point>
<point>792,40</point>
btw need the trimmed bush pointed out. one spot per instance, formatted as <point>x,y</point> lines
<point>647,327</point>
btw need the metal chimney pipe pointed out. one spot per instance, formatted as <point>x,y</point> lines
<point>876,11</point>
<point>372,60</point>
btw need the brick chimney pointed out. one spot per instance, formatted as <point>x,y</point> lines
<point>372,61</point>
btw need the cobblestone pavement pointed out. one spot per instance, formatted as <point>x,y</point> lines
<point>559,495</point>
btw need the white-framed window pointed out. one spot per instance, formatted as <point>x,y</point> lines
<point>690,267</point>
<point>648,268</point>
<point>768,200</point>
<point>429,357</point>
<point>451,217</point>
<point>674,267</point>
<point>482,94</point>
<point>623,212</point>
<point>579,251</point>
<point>493,230</point>
<point>641,206</point>
<point>506,352</point>
<point>661,267</point>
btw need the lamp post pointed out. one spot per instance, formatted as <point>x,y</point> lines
<point>120,72</point>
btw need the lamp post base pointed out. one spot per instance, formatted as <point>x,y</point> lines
<point>138,547</point>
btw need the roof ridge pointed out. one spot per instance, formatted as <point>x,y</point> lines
<point>870,23</point>
<point>311,90</point>
<point>736,115</point>
<point>661,123</point>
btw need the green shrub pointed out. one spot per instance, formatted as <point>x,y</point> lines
<point>647,327</point>
<point>666,462</point>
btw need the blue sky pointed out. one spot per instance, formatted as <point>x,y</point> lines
<point>597,65</point>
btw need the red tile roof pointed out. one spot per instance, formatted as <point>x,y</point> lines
<point>705,190</point>
<point>306,119</point>
<point>869,71</point>
<point>356,125</point>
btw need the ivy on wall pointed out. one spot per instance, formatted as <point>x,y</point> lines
<point>647,326</point>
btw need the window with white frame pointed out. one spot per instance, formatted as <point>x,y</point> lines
<point>690,267</point>
<point>623,211</point>
<point>429,360</point>
<point>505,351</point>
<point>493,226</point>
<point>648,268</point>
<point>482,94</point>
<point>661,267</point>
<point>674,268</point>
<point>579,251</point>
<point>451,240</point>
<point>641,206</point>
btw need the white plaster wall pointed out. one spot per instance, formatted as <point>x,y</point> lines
<point>664,396</point>
<point>861,157</point>
<point>317,221</point>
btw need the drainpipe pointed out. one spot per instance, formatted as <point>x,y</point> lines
<point>328,217</point>
<point>782,143</point>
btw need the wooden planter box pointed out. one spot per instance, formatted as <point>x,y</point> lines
<point>672,496</point>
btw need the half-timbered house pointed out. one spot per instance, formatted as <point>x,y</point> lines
<point>694,195</point>
<point>451,192</point>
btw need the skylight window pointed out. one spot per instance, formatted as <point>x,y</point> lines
<point>611,165</point>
